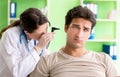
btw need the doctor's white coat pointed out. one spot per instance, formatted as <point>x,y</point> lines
<point>15,60</point>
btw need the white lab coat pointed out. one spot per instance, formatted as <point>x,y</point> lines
<point>15,60</point>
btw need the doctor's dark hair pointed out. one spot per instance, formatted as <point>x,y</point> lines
<point>30,19</point>
<point>80,12</point>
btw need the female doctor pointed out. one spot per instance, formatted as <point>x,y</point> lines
<point>23,42</point>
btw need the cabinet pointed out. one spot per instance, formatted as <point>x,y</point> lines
<point>107,28</point>
<point>21,5</point>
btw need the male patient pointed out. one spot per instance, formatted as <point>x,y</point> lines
<point>74,60</point>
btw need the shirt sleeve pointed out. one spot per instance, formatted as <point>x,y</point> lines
<point>111,70</point>
<point>18,65</point>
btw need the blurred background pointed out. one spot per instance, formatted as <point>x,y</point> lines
<point>105,36</point>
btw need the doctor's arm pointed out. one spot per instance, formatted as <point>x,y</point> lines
<point>18,65</point>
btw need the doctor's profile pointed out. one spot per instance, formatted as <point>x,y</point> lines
<point>74,59</point>
<point>23,43</point>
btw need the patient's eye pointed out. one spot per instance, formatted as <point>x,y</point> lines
<point>75,26</point>
<point>86,29</point>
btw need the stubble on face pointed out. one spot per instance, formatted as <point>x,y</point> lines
<point>78,33</point>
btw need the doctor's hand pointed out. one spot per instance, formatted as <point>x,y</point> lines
<point>44,40</point>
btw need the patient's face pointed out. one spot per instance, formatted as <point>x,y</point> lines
<point>78,32</point>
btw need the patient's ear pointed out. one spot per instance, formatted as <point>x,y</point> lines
<point>65,28</point>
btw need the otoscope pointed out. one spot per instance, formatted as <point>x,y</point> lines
<point>52,30</point>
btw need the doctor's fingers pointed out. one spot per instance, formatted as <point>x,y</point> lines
<point>44,42</point>
<point>45,39</point>
<point>47,35</point>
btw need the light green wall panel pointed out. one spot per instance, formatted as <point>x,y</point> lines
<point>3,13</point>
<point>105,30</point>
<point>97,46</point>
